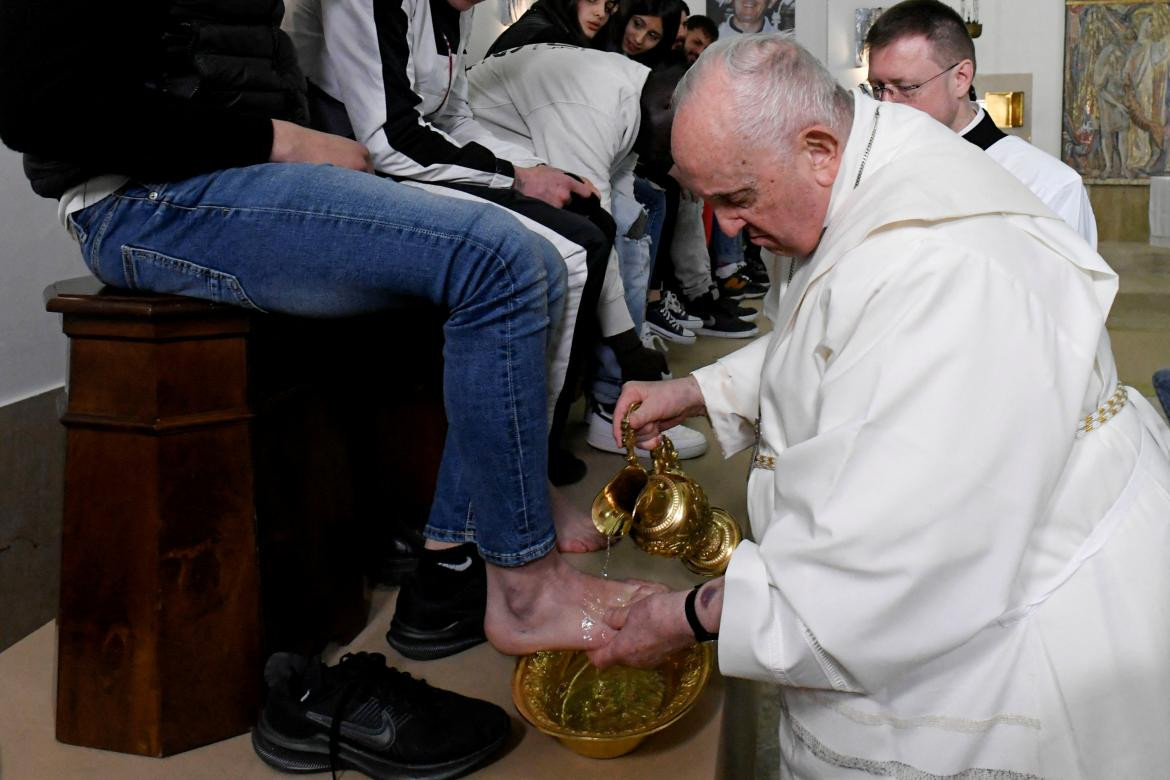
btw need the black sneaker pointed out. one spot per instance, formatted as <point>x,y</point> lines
<point>661,320</point>
<point>737,309</point>
<point>440,609</point>
<point>737,286</point>
<point>679,311</point>
<point>366,716</point>
<point>398,559</point>
<point>755,270</point>
<point>717,322</point>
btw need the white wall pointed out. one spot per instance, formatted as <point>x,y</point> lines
<point>1018,37</point>
<point>35,251</point>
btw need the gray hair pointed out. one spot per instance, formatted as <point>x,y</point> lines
<point>777,88</point>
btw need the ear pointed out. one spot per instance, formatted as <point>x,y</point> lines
<point>964,76</point>
<point>821,148</point>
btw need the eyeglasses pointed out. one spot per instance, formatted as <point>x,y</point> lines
<point>878,90</point>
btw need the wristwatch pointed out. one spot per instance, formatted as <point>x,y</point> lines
<point>701,634</point>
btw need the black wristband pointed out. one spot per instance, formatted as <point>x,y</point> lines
<point>701,634</point>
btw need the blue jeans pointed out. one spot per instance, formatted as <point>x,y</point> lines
<point>725,249</point>
<point>653,199</point>
<point>635,261</point>
<point>320,241</point>
<point>1162,388</point>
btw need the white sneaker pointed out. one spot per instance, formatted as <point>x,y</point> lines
<point>651,340</point>
<point>689,442</point>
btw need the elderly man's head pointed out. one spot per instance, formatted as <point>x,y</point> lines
<point>760,128</point>
<point>920,54</point>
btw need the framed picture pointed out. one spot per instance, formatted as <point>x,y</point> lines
<point>1116,121</point>
<point>863,19</point>
<point>739,16</point>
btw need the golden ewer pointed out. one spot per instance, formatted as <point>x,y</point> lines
<point>664,511</point>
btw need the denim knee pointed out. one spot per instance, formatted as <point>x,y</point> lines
<point>1162,388</point>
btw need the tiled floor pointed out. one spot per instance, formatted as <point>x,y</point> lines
<point>1140,326</point>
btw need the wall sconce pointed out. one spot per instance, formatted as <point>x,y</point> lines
<point>1006,109</point>
<point>970,12</point>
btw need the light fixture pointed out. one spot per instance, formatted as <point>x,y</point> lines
<point>969,9</point>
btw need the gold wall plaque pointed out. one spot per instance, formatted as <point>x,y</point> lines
<point>1005,108</point>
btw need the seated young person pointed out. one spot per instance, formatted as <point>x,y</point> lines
<point>394,81</point>
<point>574,22</point>
<point>698,32</point>
<point>682,21</point>
<point>597,113</point>
<point>642,29</point>
<point>217,192</point>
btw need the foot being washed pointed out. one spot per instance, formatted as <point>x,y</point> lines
<point>575,530</point>
<point>549,605</point>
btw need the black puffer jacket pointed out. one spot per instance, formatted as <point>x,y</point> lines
<point>547,21</point>
<point>149,89</point>
<point>232,54</point>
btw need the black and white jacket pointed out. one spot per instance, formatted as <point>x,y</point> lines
<point>397,68</point>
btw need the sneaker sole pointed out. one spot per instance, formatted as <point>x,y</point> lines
<point>723,334</point>
<point>309,756</point>
<point>422,645</point>
<point>670,335</point>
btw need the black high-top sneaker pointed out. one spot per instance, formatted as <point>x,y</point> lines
<point>363,715</point>
<point>716,320</point>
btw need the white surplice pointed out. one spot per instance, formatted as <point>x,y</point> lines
<point>947,579</point>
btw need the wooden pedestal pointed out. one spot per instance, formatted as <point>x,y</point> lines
<point>197,435</point>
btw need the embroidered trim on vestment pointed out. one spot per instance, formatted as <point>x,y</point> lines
<point>960,725</point>
<point>894,769</point>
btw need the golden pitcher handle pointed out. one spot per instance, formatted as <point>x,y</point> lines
<point>628,435</point>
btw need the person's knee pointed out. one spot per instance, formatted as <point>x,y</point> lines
<point>1162,388</point>
<point>556,273</point>
<point>515,265</point>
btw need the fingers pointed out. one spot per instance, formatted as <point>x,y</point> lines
<point>616,617</point>
<point>648,585</point>
<point>584,187</point>
<point>601,657</point>
<point>628,396</point>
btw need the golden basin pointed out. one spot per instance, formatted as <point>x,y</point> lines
<point>607,713</point>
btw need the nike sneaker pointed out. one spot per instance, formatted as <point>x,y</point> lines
<point>363,715</point>
<point>440,608</point>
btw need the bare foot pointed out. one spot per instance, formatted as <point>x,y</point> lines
<point>575,530</point>
<point>549,605</point>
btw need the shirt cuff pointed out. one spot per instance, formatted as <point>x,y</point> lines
<point>733,431</point>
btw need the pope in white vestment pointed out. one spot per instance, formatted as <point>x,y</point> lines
<point>961,564</point>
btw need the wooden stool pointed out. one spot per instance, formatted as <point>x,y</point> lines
<point>198,434</point>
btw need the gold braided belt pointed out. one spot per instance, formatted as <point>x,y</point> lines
<point>1105,412</point>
